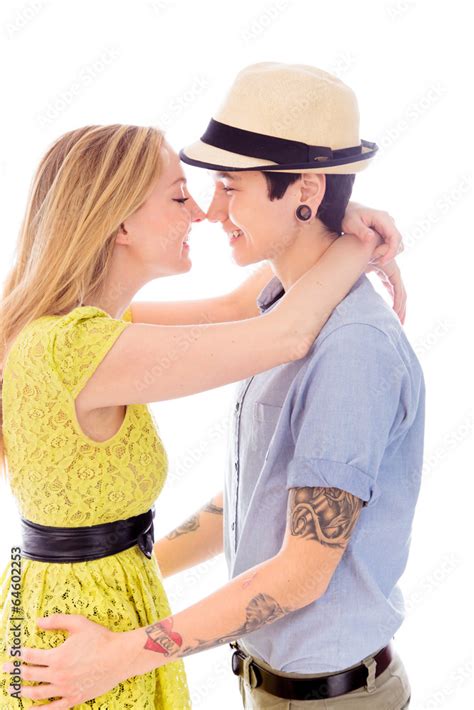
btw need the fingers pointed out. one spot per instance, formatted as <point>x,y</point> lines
<point>396,289</point>
<point>46,691</point>
<point>399,301</point>
<point>36,656</point>
<point>396,304</point>
<point>399,307</point>
<point>38,673</point>
<point>385,225</point>
<point>66,622</point>
<point>39,692</point>
<point>379,252</point>
<point>362,221</point>
<point>403,309</point>
<point>393,248</point>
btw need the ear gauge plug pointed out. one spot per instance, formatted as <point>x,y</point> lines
<point>303,213</point>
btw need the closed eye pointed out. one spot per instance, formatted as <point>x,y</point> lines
<point>181,200</point>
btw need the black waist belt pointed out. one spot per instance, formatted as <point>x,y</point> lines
<point>316,688</point>
<point>52,544</point>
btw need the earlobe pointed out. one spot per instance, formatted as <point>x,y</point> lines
<point>121,231</point>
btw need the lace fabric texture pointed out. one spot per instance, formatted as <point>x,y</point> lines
<point>61,477</point>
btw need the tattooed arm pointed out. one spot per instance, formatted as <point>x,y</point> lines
<point>93,659</point>
<point>319,525</point>
<point>197,539</point>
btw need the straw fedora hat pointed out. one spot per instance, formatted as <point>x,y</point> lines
<point>286,118</point>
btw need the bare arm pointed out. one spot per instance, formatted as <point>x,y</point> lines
<point>196,540</point>
<point>238,304</point>
<point>150,363</point>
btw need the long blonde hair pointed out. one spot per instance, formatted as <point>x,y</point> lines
<point>87,184</point>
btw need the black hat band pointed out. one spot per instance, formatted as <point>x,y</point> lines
<point>278,150</point>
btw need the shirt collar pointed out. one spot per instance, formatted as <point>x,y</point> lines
<point>270,294</point>
<point>274,290</point>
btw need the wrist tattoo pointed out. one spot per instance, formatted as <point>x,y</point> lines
<point>162,638</point>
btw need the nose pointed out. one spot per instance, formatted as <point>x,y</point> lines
<point>197,215</point>
<point>218,210</point>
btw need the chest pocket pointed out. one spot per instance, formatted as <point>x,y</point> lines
<point>264,421</point>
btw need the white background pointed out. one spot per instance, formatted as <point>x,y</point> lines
<point>169,63</point>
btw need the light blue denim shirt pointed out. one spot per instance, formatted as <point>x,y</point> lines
<point>348,415</point>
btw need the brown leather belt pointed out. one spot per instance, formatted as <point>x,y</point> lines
<point>316,688</point>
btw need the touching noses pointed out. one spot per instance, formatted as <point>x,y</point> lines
<point>218,210</point>
<point>197,215</point>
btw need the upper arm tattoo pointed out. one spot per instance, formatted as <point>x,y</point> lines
<point>327,515</point>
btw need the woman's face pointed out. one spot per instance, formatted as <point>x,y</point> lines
<point>158,230</point>
<point>257,227</point>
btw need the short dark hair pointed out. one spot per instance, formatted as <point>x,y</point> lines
<point>333,205</point>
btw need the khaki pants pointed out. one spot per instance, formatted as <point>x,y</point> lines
<point>389,691</point>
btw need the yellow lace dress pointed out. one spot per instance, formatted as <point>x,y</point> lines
<point>61,477</point>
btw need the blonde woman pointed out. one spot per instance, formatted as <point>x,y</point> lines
<point>109,211</point>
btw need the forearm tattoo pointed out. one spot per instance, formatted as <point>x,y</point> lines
<point>193,523</point>
<point>261,609</point>
<point>327,515</point>
<point>190,525</point>
<point>212,508</point>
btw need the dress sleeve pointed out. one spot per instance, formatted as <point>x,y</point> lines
<point>80,341</point>
<point>353,398</point>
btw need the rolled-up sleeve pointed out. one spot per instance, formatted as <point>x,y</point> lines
<point>344,411</point>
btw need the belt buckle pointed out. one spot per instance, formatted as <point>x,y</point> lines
<point>249,667</point>
<point>371,664</point>
<point>235,663</point>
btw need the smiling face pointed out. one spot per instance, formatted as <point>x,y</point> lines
<point>258,228</point>
<point>158,230</point>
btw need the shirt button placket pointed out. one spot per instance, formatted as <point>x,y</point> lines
<point>238,409</point>
<point>236,469</point>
